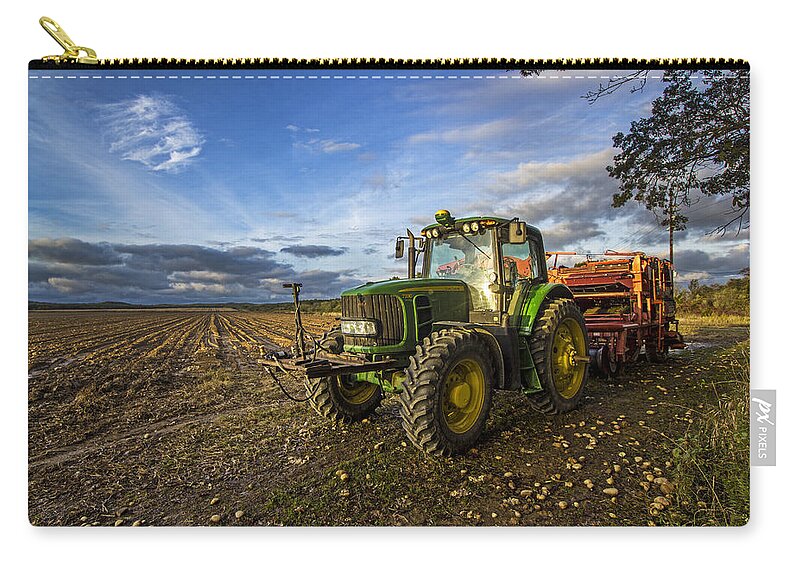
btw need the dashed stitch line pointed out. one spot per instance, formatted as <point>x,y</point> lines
<point>351,77</point>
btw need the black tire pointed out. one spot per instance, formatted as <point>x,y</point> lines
<point>342,399</point>
<point>652,353</point>
<point>610,366</point>
<point>439,415</point>
<point>333,340</point>
<point>615,367</point>
<point>557,397</point>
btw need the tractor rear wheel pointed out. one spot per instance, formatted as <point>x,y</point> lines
<point>560,350</point>
<point>448,392</point>
<point>342,398</point>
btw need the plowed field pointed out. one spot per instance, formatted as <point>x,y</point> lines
<point>164,417</point>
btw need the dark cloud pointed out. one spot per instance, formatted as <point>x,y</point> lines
<point>708,213</point>
<point>727,264</point>
<point>68,250</point>
<point>571,202</point>
<point>242,260</point>
<point>313,251</point>
<point>567,235</point>
<point>318,282</point>
<point>70,270</point>
<point>573,191</point>
<point>276,238</point>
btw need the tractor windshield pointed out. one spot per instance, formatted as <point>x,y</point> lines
<point>469,258</point>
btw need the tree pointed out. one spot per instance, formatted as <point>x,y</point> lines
<point>697,139</point>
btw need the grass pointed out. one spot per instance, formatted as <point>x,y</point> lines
<point>212,386</point>
<point>695,320</point>
<point>711,461</point>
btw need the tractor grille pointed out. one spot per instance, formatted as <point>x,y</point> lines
<point>387,309</point>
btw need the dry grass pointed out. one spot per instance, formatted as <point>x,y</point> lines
<point>714,320</point>
<point>212,386</point>
<point>711,460</point>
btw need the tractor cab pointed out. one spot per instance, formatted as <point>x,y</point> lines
<point>491,255</point>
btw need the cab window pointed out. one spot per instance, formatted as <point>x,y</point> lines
<point>518,262</point>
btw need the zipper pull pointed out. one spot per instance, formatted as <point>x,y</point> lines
<point>72,53</point>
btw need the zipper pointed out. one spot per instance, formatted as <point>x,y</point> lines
<point>79,57</point>
<point>72,53</point>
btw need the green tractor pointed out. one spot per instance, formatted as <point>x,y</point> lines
<point>479,316</point>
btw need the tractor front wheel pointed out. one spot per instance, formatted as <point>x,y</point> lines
<point>560,350</point>
<point>342,398</point>
<point>448,392</point>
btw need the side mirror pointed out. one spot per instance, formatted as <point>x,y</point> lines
<point>399,248</point>
<point>517,232</point>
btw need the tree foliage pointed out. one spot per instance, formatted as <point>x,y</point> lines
<point>697,139</point>
<point>731,298</point>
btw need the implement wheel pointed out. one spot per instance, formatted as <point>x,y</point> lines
<point>653,354</point>
<point>560,350</point>
<point>614,368</point>
<point>342,398</point>
<point>448,392</point>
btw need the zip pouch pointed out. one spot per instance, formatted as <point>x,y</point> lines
<point>380,292</point>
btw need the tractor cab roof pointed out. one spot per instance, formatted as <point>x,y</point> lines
<point>493,221</point>
<point>451,223</point>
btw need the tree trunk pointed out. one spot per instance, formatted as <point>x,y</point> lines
<point>671,227</point>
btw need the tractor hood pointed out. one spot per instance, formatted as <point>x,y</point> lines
<point>406,288</point>
<point>441,299</point>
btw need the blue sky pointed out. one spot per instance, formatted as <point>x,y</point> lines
<point>201,186</point>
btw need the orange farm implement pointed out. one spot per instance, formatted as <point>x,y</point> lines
<point>627,300</point>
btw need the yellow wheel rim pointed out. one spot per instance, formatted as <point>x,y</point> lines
<point>463,395</point>
<point>570,358</point>
<point>355,392</point>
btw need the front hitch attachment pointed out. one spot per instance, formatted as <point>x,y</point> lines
<point>299,341</point>
<point>315,363</point>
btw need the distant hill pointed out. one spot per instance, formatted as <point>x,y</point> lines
<point>43,306</point>
<point>311,306</point>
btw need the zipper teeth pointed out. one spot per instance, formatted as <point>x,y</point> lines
<point>376,63</point>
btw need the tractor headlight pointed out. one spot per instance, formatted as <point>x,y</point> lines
<point>435,232</point>
<point>474,227</point>
<point>360,328</point>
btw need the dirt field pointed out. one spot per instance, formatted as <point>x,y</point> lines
<point>165,418</point>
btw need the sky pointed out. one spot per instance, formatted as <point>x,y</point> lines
<point>219,186</point>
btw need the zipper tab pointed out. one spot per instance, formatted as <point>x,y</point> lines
<point>72,52</point>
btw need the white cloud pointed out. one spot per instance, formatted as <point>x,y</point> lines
<point>690,276</point>
<point>69,286</point>
<point>151,130</point>
<point>470,133</point>
<point>214,288</point>
<point>588,171</point>
<point>302,141</point>
<point>295,129</point>
<point>329,146</point>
